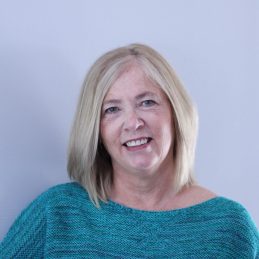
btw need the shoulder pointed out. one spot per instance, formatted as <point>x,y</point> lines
<point>220,209</point>
<point>193,195</point>
<point>236,215</point>
<point>220,205</point>
<point>228,217</point>
<point>46,212</point>
<point>63,192</point>
<point>65,188</point>
<point>232,218</point>
<point>238,222</point>
<point>67,194</point>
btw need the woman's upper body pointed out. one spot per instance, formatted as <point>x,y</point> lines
<point>132,148</point>
<point>64,223</point>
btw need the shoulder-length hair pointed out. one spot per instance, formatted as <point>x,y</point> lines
<point>88,161</point>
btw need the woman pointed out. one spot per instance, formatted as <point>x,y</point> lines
<point>131,155</point>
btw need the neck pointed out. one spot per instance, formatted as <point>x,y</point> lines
<point>144,191</point>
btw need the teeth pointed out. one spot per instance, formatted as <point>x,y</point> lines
<point>138,142</point>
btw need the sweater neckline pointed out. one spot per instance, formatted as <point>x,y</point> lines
<point>199,206</point>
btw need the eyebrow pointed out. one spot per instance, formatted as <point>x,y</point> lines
<point>112,101</point>
<point>138,97</point>
<point>145,94</point>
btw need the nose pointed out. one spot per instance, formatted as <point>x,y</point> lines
<point>132,121</point>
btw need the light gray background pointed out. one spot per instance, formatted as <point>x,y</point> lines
<point>47,46</point>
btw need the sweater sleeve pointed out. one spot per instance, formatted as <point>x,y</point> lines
<point>249,235</point>
<point>254,236</point>
<point>26,237</point>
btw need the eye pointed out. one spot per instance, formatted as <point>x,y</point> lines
<point>111,110</point>
<point>148,103</point>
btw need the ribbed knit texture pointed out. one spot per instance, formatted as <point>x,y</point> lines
<point>63,223</point>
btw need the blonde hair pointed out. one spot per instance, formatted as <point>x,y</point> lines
<point>88,161</point>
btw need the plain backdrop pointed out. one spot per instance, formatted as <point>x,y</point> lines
<point>46,47</point>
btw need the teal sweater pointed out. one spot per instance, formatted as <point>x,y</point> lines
<point>63,223</point>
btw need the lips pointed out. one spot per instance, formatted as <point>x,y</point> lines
<point>137,142</point>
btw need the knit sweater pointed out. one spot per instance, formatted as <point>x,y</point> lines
<point>63,223</point>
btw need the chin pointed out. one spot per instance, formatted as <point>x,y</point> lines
<point>143,165</point>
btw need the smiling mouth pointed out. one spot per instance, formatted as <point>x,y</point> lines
<point>137,142</point>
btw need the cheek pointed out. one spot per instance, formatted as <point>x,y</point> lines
<point>109,133</point>
<point>167,130</point>
<point>104,132</point>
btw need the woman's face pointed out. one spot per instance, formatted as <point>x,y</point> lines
<point>137,125</point>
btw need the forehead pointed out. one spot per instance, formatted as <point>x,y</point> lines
<point>133,82</point>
